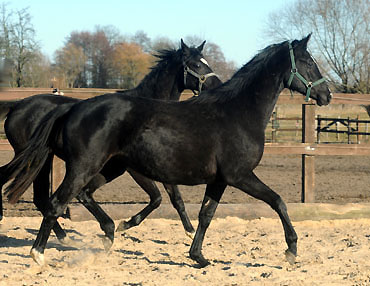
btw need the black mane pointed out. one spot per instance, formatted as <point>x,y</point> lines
<point>164,58</point>
<point>167,55</point>
<point>244,78</point>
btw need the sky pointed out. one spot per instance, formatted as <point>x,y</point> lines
<point>234,25</point>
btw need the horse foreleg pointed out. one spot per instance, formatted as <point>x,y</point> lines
<point>210,202</point>
<point>257,189</point>
<point>155,201</point>
<point>178,204</point>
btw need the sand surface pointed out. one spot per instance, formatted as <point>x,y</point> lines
<point>242,252</point>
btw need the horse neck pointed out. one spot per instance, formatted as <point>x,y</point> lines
<point>259,96</point>
<point>161,83</point>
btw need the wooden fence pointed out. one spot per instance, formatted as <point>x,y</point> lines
<point>308,148</point>
<point>347,126</point>
<point>342,130</point>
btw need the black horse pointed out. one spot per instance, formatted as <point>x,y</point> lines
<point>175,71</point>
<point>215,139</point>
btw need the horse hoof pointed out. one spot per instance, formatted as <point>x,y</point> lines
<point>37,257</point>
<point>203,263</point>
<point>190,234</point>
<point>290,257</point>
<point>201,260</point>
<point>107,243</point>
<point>123,225</point>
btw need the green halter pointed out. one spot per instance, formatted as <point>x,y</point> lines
<point>294,72</point>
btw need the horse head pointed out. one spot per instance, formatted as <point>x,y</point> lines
<point>198,75</point>
<point>305,76</point>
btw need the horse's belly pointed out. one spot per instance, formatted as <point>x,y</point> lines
<point>175,167</point>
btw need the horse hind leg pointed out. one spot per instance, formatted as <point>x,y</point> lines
<point>155,201</point>
<point>2,183</point>
<point>105,222</point>
<point>71,186</point>
<point>210,202</point>
<point>253,186</point>
<point>41,187</point>
<point>178,204</point>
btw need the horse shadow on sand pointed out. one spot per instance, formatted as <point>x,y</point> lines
<point>8,241</point>
<point>138,255</point>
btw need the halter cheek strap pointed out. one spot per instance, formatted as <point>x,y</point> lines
<point>294,72</point>
<point>201,77</point>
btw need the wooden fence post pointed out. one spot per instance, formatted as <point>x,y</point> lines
<point>308,161</point>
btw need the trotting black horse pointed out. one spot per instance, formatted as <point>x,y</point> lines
<point>175,71</point>
<point>216,139</point>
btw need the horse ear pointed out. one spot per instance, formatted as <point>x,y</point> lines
<point>185,49</point>
<point>302,43</point>
<point>200,48</point>
<point>305,40</point>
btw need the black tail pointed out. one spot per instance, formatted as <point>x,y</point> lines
<point>5,107</point>
<point>27,164</point>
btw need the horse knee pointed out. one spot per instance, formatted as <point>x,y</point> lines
<point>207,212</point>
<point>179,205</point>
<point>83,197</point>
<point>96,182</point>
<point>205,218</point>
<point>155,203</point>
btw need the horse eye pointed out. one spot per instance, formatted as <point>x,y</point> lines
<point>309,63</point>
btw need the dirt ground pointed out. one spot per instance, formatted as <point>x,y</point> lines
<point>241,252</point>
<point>339,179</point>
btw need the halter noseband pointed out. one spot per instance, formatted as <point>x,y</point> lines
<point>294,72</point>
<point>201,77</point>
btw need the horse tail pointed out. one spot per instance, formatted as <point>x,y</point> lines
<point>27,164</point>
<point>5,107</point>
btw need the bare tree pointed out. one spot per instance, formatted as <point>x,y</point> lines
<point>97,46</point>
<point>215,57</point>
<point>142,39</point>
<point>70,61</point>
<point>341,38</point>
<point>162,43</point>
<point>18,46</point>
<point>5,32</point>
<point>23,44</point>
<point>37,71</point>
<point>223,68</point>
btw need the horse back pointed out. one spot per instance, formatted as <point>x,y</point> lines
<point>24,118</point>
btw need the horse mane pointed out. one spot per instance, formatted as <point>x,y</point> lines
<point>164,57</point>
<point>243,79</point>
